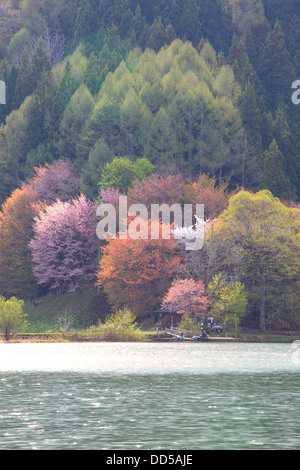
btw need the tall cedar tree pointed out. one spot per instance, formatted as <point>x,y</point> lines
<point>274,175</point>
<point>276,70</point>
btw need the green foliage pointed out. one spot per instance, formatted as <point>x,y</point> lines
<point>12,317</point>
<point>173,108</point>
<point>219,104</point>
<point>259,240</point>
<point>120,326</point>
<point>229,300</point>
<point>190,325</point>
<point>276,69</point>
<point>18,43</point>
<point>120,173</point>
<point>274,175</point>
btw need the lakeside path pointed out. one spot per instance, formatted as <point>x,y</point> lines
<point>258,337</point>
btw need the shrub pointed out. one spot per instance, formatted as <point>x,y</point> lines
<point>11,316</point>
<point>190,325</point>
<point>120,326</point>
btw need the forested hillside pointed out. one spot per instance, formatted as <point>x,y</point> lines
<point>211,101</point>
<point>162,100</point>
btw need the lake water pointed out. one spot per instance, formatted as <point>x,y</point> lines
<point>126,396</point>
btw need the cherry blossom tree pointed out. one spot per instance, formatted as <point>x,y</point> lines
<point>110,196</point>
<point>55,181</point>
<point>65,246</point>
<point>186,297</point>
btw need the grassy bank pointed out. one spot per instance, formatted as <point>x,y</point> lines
<point>68,318</point>
<point>80,336</point>
<point>64,312</point>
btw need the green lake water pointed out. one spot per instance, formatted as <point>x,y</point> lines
<point>126,396</point>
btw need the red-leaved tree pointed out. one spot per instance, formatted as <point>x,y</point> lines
<point>65,246</point>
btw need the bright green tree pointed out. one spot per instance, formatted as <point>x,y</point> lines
<point>120,173</point>
<point>12,317</point>
<point>120,326</point>
<point>229,300</point>
<point>260,239</point>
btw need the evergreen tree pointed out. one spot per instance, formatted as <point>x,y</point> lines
<point>67,86</point>
<point>286,137</point>
<point>138,27</point>
<point>86,21</point>
<point>274,175</point>
<point>250,113</point>
<point>156,35</point>
<point>276,70</point>
<point>9,75</point>
<point>95,74</point>
<point>36,126</point>
<point>24,82</point>
<point>40,64</point>
<point>189,23</point>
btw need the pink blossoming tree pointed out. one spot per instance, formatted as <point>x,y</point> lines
<point>186,297</point>
<point>55,181</point>
<point>65,246</point>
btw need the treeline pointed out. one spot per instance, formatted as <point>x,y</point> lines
<point>88,80</point>
<point>194,98</point>
<point>247,270</point>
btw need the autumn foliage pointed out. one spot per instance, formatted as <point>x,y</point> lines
<point>205,191</point>
<point>16,220</point>
<point>157,189</point>
<point>137,272</point>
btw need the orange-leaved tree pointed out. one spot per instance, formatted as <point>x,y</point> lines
<point>206,191</point>
<point>16,221</point>
<point>137,272</point>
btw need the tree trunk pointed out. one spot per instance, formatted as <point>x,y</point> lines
<point>262,310</point>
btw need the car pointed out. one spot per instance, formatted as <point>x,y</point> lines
<point>217,328</point>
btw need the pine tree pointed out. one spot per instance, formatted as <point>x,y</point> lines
<point>95,74</point>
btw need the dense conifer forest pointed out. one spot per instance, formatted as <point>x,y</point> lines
<point>123,96</point>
